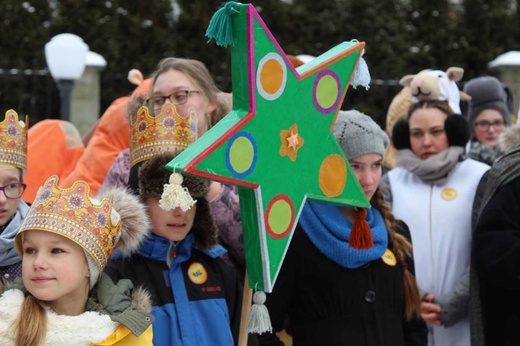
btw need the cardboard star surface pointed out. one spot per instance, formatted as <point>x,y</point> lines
<point>276,144</point>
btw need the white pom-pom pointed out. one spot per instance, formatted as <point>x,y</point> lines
<point>361,75</point>
<point>175,195</point>
<point>258,320</point>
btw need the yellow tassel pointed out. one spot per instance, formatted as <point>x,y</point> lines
<point>175,195</point>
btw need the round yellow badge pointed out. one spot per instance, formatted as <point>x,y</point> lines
<point>389,258</point>
<point>197,273</point>
<point>448,194</point>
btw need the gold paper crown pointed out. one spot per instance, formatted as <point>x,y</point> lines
<point>166,132</point>
<point>13,140</point>
<point>93,225</point>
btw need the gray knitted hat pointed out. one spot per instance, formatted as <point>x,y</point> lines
<point>487,93</point>
<point>358,134</point>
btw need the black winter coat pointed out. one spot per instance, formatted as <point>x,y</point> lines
<point>497,256</point>
<point>327,304</point>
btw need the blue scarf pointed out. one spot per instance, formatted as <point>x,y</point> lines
<point>329,231</point>
<point>8,253</point>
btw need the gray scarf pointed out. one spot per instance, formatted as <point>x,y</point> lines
<point>8,253</point>
<point>433,170</point>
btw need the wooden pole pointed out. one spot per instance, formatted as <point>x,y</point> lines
<point>247,300</point>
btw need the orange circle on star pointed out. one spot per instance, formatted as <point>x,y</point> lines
<point>332,177</point>
<point>197,273</point>
<point>271,76</point>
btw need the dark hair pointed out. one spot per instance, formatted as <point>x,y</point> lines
<point>443,106</point>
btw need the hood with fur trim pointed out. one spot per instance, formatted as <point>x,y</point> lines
<point>509,139</point>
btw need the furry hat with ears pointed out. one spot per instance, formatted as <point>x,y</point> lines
<point>509,139</point>
<point>431,85</point>
<point>153,176</point>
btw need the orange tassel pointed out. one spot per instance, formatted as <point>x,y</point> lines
<point>360,235</point>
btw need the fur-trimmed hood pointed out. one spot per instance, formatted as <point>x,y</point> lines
<point>509,139</point>
<point>109,305</point>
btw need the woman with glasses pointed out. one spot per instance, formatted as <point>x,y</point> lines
<point>13,162</point>
<point>187,84</point>
<point>432,191</point>
<point>489,113</point>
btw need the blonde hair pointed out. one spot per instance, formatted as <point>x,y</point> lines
<point>31,324</point>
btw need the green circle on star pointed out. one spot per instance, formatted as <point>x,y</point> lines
<point>241,154</point>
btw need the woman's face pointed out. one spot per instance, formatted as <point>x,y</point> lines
<point>368,169</point>
<point>427,133</point>
<point>171,81</point>
<point>489,124</point>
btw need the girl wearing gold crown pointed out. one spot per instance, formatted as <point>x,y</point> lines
<point>13,161</point>
<point>65,242</point>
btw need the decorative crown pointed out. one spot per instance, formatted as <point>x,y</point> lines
<point>166,132</point>
<point>13,140</point>
<point>94,225</point>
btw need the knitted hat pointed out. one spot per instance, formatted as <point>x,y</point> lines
<point>358,134</point>
<point>487,93</point>
<point>112,221</point>
<point>154,178</point>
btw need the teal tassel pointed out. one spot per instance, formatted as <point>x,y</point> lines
<point>220,26</point>
<point>361,75</point>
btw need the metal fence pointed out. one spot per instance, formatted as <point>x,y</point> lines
<point>29,92</point>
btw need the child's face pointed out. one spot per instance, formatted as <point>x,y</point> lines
<point>173,225</point>
<point>55,271</point>
<point>8,206</point>
<point>368,169</point>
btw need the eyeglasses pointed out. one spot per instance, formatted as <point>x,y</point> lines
<point>484,125</point>
<point>178,98</point>
<point>13,190</point>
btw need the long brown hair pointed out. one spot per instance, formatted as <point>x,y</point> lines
<point>402,248</point>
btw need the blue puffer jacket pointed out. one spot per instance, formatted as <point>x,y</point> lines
<point>196,299</point>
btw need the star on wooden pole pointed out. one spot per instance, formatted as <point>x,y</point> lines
<point>276,144</point>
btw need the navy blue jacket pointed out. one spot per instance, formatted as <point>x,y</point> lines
<point>196,300</point>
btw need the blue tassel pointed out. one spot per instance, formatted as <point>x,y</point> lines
<point>220,26</point>
<point>361,75</point>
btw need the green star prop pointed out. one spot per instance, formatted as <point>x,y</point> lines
<point>276,144</point>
